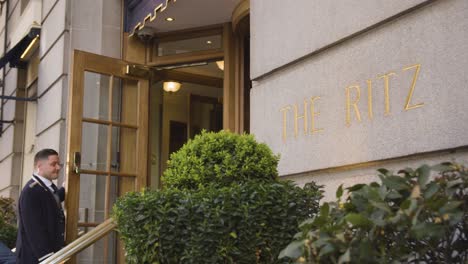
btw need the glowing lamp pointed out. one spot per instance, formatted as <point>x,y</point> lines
<point>171,86</point>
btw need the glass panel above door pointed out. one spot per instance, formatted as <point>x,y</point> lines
<point>190,45</point>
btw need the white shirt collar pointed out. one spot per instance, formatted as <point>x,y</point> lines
<point>46,181</point>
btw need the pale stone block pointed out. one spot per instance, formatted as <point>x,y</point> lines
<point>53,27</point>
<point>434,38</point>
<point>366,174</point>
<point>283,31</point>
<point>13,21</point>
<point>11,81</point>
<point>6,142</point>
<point>47,6</point>
<point>50,138</point>
<point>96,27</point>
<point>111,13</point>
<point>14,4</point>
<point>53,65</point>
<point>9,110</point>
<point>24,20</point>
<point>49,106</point>
<point>111,42</point>
<point>2,21</point>
<point>64,105</point>
<point>5,168</point>
<point>87,14</point>
<point>85,40</point>
<point>2,44</point>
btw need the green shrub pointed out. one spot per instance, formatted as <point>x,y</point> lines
<point>222,203</point>
<point>406,218</point>
<point>220,158</point>
<point>7,222</point>
<point>246,223</point>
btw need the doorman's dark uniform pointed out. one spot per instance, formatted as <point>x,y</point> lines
<point>41,222</point>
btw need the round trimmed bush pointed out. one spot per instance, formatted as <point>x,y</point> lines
<point>220,159</point>
<point>246,223</point>
<point>222,203</point>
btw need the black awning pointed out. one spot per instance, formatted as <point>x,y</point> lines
<point>14,54</point>
<point>138,12</point>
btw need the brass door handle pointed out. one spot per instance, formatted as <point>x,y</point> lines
<point>76,162</point>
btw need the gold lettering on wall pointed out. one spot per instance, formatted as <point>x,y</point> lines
<point>386,78</point>
<point>354,103</point>
<point>313,114</point>
<point>353,97</point>
<point>413,85</point>
<point>370,112</point>
<point>297,117</point>
<point>285,111</point>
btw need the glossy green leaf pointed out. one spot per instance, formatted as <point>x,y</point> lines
<point>345,258</point>
<point>357,220</point>
<point>408,219</point>
<point>355,187</point>
<point>293,250</point>
<point>339,191</point>
<point>395,182</point>
<point>423,175</point>
<point>431,189</point>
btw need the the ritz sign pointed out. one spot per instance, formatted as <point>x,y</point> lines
<point>308,113</point>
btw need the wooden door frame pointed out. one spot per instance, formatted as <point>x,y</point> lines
<point>231,52</point>
<point>226,53</point>
<point>89,62</point>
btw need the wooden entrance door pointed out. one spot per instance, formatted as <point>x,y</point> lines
<point>107,144</point>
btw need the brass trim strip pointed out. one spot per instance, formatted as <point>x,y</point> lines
<point>189,57</point>
<point>81,243</point>
<point>242,10</point>
<point>90,224</point>
<point>105,173</point>
<point>105,122</point>
<point>189,33</point>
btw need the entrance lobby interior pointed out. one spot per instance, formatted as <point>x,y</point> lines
<point>196,66</point>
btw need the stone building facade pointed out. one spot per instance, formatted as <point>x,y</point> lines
<point>337,89</point>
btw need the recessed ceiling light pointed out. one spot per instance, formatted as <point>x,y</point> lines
<point>209,42</point>
<point>170,19</point>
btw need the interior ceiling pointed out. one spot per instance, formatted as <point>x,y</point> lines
<point>193,14</point>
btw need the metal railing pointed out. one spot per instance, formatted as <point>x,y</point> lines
<point>81,243</point>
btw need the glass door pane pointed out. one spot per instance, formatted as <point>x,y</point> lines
<point>107,146</point>
<point>197,105</point>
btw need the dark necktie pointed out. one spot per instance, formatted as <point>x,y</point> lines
<point>57,199</point>
<point>56,196</point>
<point>54,188</point>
